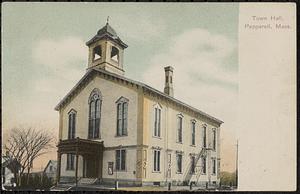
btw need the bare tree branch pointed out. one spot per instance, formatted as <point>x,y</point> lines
<point>25,145</point>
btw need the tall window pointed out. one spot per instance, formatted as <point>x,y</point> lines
<point>204,165</point>
<point>94,114</point>
<point>157,120</point>
<point>156,161</point>
<point>122,116</point>
<point>179,129</point>
<point>214,139</point>
<point>72,124</point>
<point>70,161</point>
<point>193,132</point>
<point>213,166</point>
<point>193,164</point>
<point>179,163</point>
<point>120,159</point>
<point>204,136</point>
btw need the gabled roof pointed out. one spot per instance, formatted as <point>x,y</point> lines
<point>144,86</point>
<point>54,162</point>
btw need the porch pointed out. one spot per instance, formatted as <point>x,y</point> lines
<point>91,152</point>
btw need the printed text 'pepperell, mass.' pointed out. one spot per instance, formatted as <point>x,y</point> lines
<point>266,23</point>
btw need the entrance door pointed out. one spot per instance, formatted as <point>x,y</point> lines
<point>91,167</point>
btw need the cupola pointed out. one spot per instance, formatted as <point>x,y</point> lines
<point>106,51</point>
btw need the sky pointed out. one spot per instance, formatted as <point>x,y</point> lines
<point>44,55</point>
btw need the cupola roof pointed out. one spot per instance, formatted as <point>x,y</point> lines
<point>107,29</point>
<point>107,32</point>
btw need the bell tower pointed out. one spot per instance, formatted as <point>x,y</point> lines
<point>106,51</point>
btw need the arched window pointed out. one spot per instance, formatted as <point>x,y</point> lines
<point>179,128</point>
<point>114,54</point>
<point>157,120</point>
<point>122,116</point>
<point>72,124</point>
<point>204,135</point>
<point>95,102</point>
<point>193,128</point>
<point>97,52</point>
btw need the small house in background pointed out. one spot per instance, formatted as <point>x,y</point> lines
<point>50,170</point>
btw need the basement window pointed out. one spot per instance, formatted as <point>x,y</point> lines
<point>114,54</point>
<point>97,52</point>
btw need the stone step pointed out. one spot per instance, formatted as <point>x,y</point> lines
<point>87,181</point>
<point>61,188</point>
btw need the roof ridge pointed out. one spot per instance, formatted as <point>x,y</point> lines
<point>142,85</point>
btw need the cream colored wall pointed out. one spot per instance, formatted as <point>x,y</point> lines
<point>65,172</point>
<point>111,92</point>
<point>168,141</point>
<point>128,174</point>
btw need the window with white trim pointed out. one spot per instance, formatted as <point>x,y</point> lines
<point>213,166</point>
<point>122,116</point>
<point>193,128</point>
<point>214,134</point>
<point>156,160</point>
<point>120,160</point>
<point>193,164</point>
<point>204,136</point>
<point>95,102</point>
<point>179,163</point>
<point>179,128</point>
<point>72,124</point>
<point>157,121</point>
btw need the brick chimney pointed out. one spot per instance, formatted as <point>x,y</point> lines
<point>169,81</point>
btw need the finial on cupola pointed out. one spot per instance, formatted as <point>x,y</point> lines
<point>107,19</point>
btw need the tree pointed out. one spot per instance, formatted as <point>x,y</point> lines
<point>24,146</point>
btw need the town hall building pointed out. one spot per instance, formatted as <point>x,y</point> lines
<point>115,128</point>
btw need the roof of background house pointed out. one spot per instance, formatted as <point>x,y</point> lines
<point>54,162</point>
<point>92,70</point>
